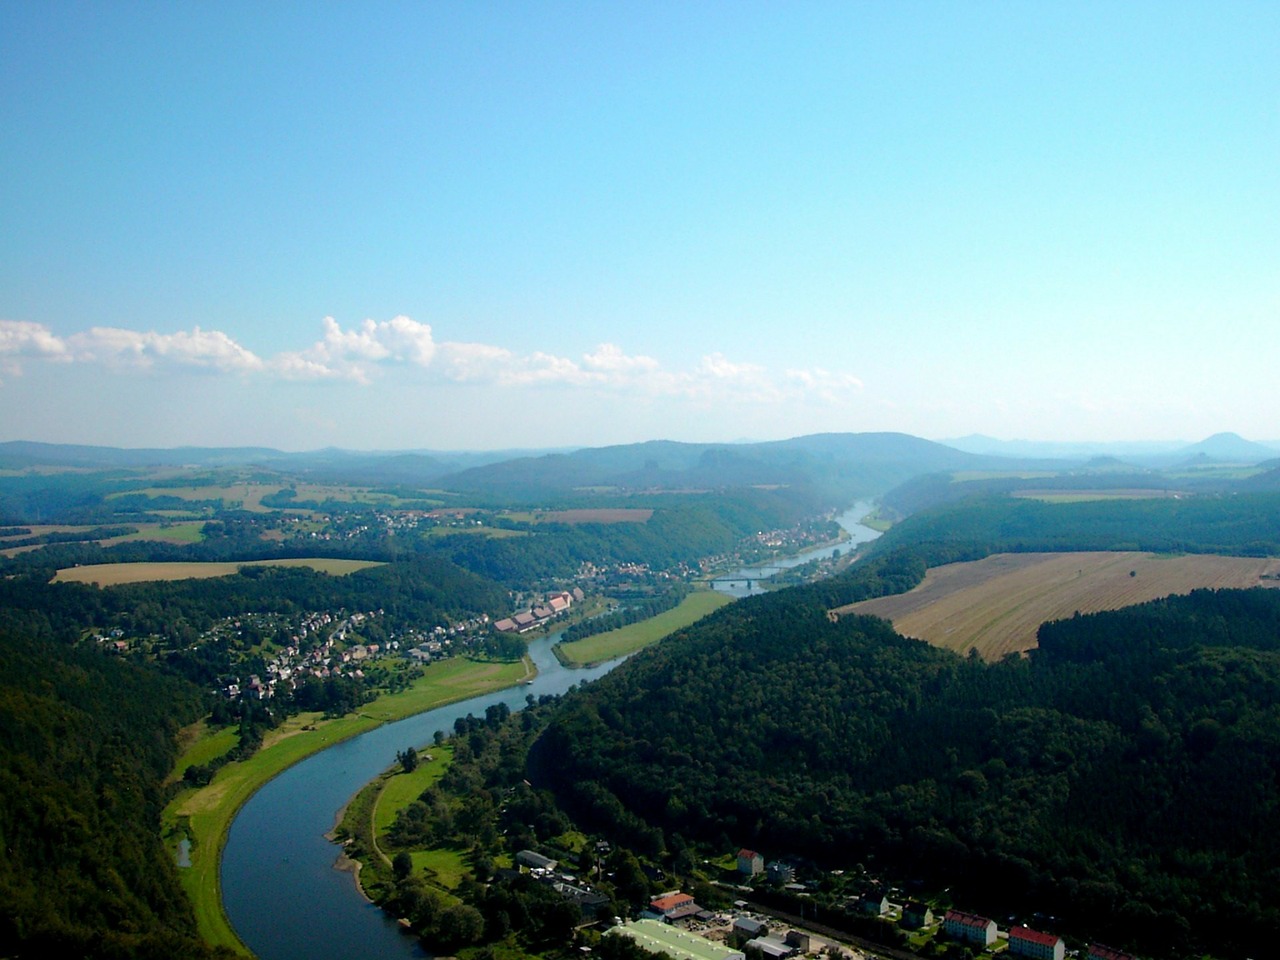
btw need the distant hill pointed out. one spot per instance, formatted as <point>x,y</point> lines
<point>24,454</point>
<point>332,465</point>
<point>1229,448</point>
<point>841,464</point>
<point>1065,450</point>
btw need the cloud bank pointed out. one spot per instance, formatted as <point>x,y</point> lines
<point>358,354</point>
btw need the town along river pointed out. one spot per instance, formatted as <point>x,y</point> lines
<point>279,886</point>
<point>746,580</point>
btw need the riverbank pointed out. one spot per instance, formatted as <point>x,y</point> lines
<point>593,650</point>
<point>371,813</point>
<point>203,816</point>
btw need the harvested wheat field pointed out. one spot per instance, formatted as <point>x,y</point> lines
<point>997,604</point>
<point>114,574</point>
<point>597,515</point>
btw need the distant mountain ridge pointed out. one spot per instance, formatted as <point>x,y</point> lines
<point>835,465</point>
<point>1229,447</point>
<point>408,466</point>
<point>843,464</point>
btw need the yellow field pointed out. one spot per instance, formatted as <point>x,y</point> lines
<point>1084,496</point>
<point>597,515</point>
<point>248,495</point>
<point>113,574</point>
<point>998,603</point>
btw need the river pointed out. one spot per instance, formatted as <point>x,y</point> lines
<point>279,886</point>
<point>745,581</point>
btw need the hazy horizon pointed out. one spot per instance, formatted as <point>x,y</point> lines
<point>973,443</point>
<point>551,225</point>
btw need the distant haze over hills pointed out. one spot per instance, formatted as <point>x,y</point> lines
<point>832,464</point>
<point>1229,447</point>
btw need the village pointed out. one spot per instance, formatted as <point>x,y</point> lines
<point>675,924</point>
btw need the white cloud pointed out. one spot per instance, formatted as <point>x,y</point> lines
<point>719,366</point>
<point>207,349</point>
<point>609,359</point>
<point>351,354</point>
<point>546,368</point>
<point>823,384</point>
<point>22,338</point>
<point>295,366</point>
<point>475,362</point>
<point>355,354</point>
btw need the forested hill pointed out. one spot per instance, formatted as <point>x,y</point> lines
<point>85,742</point>
<point>840,467</point>
<point>1240,524</point>
<point>1125,777</point>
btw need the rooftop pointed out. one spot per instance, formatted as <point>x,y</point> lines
<point>656,936</point>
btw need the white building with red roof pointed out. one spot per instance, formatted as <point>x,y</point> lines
<point>1025,942</point>
<point>969,927</point>
<point>674,906</point>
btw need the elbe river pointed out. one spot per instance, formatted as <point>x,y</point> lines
<point>281,890</point>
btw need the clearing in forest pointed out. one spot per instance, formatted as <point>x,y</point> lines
<point>997,604</point>
<point>596,515</point>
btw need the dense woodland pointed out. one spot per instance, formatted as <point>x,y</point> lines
<point>1240,524</point>
<point>85,742</point>
<point>1125,777</point>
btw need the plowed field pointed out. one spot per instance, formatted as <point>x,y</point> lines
<point>997,604</point>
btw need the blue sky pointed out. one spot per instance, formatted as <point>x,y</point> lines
<point>471,226</point>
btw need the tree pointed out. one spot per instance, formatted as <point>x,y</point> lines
<point>459,925</point>
<point>408,759</point>
<point>402,865</point>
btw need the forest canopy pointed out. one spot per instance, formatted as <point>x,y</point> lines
<point>1125,777</point>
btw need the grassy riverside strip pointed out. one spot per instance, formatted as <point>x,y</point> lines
<point>204,815</point>
<point>373,810</point>
<point>605,646</point>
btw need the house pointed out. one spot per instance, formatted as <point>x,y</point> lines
<point>673,906</point>
<point>779,871</point>
<point>747,928</point>
<point>969,927</point>
<point>768,948</point>
<point>588,901</point>
<point>1098,952</point>
<point>874,905</point>
<point>505,625</point>
<point>535,861</point>
<point>750,862</point>
<point>795,938</point>
<point>916,915</point>
<point>1025,942</point>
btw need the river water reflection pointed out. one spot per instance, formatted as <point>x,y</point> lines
<point>279,885</point>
